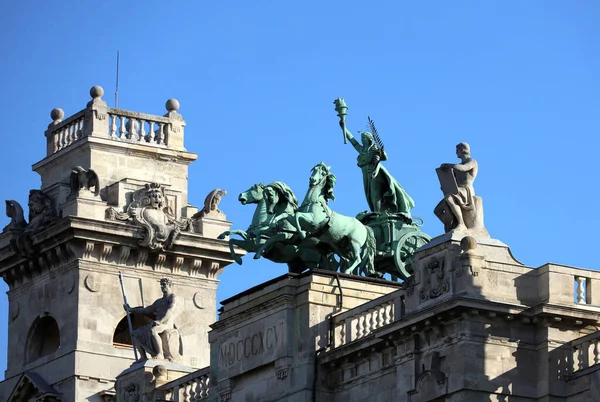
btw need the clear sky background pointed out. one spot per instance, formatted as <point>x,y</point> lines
<point>518,80</point>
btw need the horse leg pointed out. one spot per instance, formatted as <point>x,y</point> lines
<point>297,217</point>
<point>269,244</point>
<point>246,245</point>
<point>354,253</point>
<point>241,233</point>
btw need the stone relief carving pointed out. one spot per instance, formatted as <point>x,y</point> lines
<point>131,393</point>
<point>160,338</point>
<point>150,211</point>
<point>435,283</point>
<point>211,205</point>
<point>82,179</point>
<point>41,213</point>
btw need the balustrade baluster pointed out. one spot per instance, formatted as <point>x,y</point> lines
<point>56,140</point>
<point>74,135</point>
<point>142,131</point>
<point>122,128</point>
<point>175,394</point>
<point>63,137</point>
<point>186,391</point>
<point>580,356</point>
<point>206,386</point>
<point>361,327</point>
<point>80,129</point>
<point>161,134</point>
<point>375,320</point>
<point>150,137</point>
<point>580,283</point>
<point>367,321</point>
<point>113,126</point>
<point>342,339</point>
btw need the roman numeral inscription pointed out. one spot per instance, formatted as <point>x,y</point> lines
<point>252,347</point>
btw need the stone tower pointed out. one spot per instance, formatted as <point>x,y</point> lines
<point>114,198</point>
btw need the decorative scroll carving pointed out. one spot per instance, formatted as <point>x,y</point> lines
<point>150,211</point>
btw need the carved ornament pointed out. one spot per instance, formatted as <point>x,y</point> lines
<point>149,210</point>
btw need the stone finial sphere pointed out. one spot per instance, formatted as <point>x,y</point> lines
<point>468,243</point>
<point>172,105</point>
<point>96,92</point>
<point>160,371</point>
<point>57,114</point>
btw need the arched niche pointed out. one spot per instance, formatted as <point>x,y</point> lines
<point>43,338</point>
<point>122,336</point>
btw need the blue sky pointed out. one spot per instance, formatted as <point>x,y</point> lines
<point>256,80</point>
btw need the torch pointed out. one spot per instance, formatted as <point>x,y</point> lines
<point>342,112</point>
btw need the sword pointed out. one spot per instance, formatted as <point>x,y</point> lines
<point>128,316</point>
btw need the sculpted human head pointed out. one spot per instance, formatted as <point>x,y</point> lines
<point>367,139</point>
<point>155,195</point>
<point>463,149</point>
<point>38,203</point>
<point>166,285</point>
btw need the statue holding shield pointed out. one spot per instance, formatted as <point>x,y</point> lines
<point>460,210</point>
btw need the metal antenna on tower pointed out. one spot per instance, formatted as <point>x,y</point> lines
<point>117,86</point>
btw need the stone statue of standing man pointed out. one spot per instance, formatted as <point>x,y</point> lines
<point>460,210</point>
<point>160,337</point>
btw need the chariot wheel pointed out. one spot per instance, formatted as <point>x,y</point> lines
<point>405,250</point>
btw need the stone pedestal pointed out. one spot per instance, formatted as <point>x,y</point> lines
<point>141,382</point>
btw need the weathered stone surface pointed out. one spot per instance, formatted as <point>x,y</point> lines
<point>63,272</point>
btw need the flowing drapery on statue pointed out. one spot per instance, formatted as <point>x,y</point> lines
<point>382,191</point>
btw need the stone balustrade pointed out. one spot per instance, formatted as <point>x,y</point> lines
<point>361,321</point>
<point>138,127</point>
<point>585,352</point>
<point>98,120</point>
<point>190,388</point>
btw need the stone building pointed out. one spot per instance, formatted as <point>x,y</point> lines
<point>471,324</point>
<point>114,198</point>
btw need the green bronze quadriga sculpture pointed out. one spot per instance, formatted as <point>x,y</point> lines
<point>311,235</point>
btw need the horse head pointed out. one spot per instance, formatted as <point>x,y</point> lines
<point>321,176</point>
<point>253,195</point>
<point>278,193</point>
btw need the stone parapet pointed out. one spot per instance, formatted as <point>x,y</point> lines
<point>267,337</point>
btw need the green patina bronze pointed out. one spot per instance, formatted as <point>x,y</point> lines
<point>376,242</point>
<point>352,241</point>
<point>297,253</point>
<point>383,192</point>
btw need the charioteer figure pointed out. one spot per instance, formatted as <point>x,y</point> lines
<point>384,194</point>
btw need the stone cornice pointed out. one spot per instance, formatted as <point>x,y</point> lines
<point>72,238</point>
<point>124,148</point>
